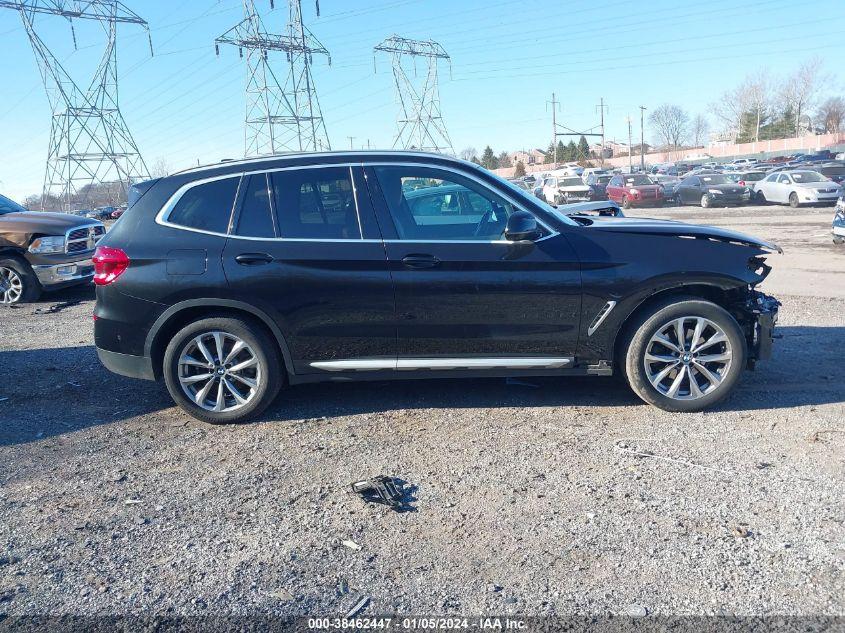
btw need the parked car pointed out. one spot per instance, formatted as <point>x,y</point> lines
<point>834,171</point>
<point>838,228</point>
<point>565,190</point>
<point>598,185</point>
<point>42,251</point>
<point>598,171</point>
<point>797,187</point>
<point>747,178</point>
<point>711,190</point>
<point>229,280</point>
<point>668,184</point>
<point>634,190</point>
<point>742,162</point>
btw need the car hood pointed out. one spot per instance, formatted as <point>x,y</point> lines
<point>642,187</point>
<point>726,189</point>
<point>818,186</point>
<point>647,226</point>
<point>43,222</point>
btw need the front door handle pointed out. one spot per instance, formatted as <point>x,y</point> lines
<point>420,262</point>
<point>253,259</point>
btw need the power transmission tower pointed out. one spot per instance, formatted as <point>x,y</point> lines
<point>601,108</point>
<point>554,103</point>
<point>90,143</point>
<point>281,116</point>
<point>562,130</point>
<point>420,121</point>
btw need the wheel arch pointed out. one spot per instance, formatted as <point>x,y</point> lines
<point>182,313</point>
<point>721,295</point>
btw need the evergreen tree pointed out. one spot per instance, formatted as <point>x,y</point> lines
<point>550,153</point>
<point>583,149</point>
<point>571,151</point>
<point>519,170</point>
<point>561,152</point>
<point>488,158</point>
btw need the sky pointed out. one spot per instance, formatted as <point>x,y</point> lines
<point>185,104</point>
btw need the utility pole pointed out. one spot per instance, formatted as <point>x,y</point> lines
<point>630,148</point>
<point>351,138</point>
<point>554,103</point>
<point>642,138</point>
<point>90,143</point>
<point>601,108</point>
<point>281,116</point>
<point>420,122</point>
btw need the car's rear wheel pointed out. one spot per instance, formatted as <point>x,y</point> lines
<point>685,355</point>
<point>760,197</point>
<point>838,240</point>
<point>793,200</point>
<point>18,284</point>
<point>705,201</point>
<point>222,370</point>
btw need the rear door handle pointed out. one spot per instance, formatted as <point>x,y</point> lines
<point>253,259</point>
<point>419,262</point>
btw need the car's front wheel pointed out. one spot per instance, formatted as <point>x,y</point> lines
<point>793,200</point>
<point>685,355</point>
<point>626,203</point>
<point>18,284</point>
<point>705,201</point>
<point>222,370</point>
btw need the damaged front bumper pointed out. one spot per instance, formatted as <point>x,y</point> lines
<point>762,311</point>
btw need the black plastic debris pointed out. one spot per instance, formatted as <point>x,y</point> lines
<point>384,490</point>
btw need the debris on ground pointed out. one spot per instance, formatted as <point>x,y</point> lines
<point>741,532</point>
<point>282,595</point>
<point>352,545</point>
<point>384,490</point>
<point>623,446</point>
<point>359,606</point>
<point>636,610</point>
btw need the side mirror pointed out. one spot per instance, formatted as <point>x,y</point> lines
<point>522,226</point>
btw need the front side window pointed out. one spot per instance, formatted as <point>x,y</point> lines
<point>9,206</point>
<point>316,203</point>
<point>207,206</point>
<point>448,206</point>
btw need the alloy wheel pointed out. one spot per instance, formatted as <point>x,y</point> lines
<point>705,201</point>
<point>219,371</point>
<point>11,286</point>
<point>688,358</point>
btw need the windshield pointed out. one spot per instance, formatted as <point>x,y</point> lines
<point>601,180</point>
<point>807,176</point>
<point>833,171</point>
<point>522,196</point>
<point>10,206</point>
<point>716,179</point>
<point>570,182</point>
<point>637,180</point>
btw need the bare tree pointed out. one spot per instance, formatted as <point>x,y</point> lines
<point>757,91</point>
<point>700,127</point>
<point>505,160</point>
<point>832,114</point>
<point>160,168</point>
<point>800,88</point>
<point>729,108</point>
<point>671,124</point>
<point>468,153</point>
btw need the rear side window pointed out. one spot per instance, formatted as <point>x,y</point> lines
<point>316,204</point>
<point>256,218</point>
<point>206,207</point>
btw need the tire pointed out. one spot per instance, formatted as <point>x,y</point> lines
<point>838,240</point>
<point>705,201</point>
<point>760,198</point>
<point>793,200</point>
<point>679,200</point>
<point>265,373</point>
<point>18,283</point>
<point>644,377</point>
<point>626,203</point>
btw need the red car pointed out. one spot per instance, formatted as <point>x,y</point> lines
<point>634,190</point>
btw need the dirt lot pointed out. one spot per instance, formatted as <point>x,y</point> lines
<point>529,499</point>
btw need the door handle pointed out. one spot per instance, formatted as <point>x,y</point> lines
<point>253,259</point>
<point>420,262</point>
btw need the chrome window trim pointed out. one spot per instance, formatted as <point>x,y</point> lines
<point>162,216</point>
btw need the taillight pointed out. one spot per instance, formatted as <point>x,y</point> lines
<point>109,264</point>
<point>741,183</point>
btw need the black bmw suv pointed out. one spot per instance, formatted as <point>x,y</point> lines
<point>232,280</point>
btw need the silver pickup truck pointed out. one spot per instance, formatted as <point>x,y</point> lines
<point>43,251</point>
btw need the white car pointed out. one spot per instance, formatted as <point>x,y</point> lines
<point>796,188</point>
<point>565,190</point>
<point>744,162</point>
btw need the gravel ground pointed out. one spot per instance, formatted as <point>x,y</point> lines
<point>528,498</point>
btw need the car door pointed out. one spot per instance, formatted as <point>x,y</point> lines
<point>305,248</point>
<point>612,189</point>
<point>780,189</point>
<point>686,188</point>
<point>464,294</point>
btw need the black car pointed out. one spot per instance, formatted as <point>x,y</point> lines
<point>598,185</point>
<point>232,280</point>
<point>834,171</point>
<point>711,190</point>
